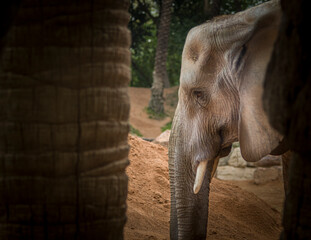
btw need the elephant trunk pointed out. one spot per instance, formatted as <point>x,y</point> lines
<point>173,213</point>
<point>189,211</point>
<point>192,209</point>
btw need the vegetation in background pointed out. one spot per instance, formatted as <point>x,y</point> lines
<point>135,131</point>
<point>153,115</point>
<point>235,144</point>
<point>167,126</point>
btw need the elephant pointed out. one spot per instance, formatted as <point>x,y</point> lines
<point>220,101</point>
<point>64,73</point>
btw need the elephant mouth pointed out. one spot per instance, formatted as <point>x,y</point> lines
<point>202,167</point>
<point>225,151</point>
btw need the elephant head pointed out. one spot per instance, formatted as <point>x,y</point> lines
<point>223,67</point>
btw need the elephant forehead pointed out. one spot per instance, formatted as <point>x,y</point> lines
<point>187,79</point>
<point>200,74</point>
<point>190,79</point>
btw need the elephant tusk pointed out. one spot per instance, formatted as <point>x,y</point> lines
<point>215,166</point>
<point>201,173</point>
<point>199,176</point>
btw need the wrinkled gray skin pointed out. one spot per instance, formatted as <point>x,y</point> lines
<point>223,67</point>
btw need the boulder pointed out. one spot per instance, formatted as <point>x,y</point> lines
<point>223,161</point>
<point>251,164</point>
<point>163,138</point>
<point>234,173</point>
<point>269,161</point>
<point>236,159</point>
<point>264,175</point>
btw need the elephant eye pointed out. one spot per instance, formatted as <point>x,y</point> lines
<point>200,97</point>
<point>198,94</point>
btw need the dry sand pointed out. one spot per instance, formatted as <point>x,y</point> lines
<point>234,213</point>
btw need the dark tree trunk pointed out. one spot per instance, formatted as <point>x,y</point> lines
<point>288,87</point>
<point>160,77</point>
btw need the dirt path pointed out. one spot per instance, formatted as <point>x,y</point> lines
<point>234,213</point>
<point>139,99</point>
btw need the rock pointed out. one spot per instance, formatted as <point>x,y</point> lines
<point>223,161</point>
<point>251,164</point>
<point>269,161</point>
<point>163,138</point>
<point>234,173</point>
<point>264,175</point>
<point>236,159</point>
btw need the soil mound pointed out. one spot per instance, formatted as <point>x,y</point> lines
<point>234,213</point>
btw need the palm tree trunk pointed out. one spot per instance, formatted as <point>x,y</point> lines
<point>64,121</point>
<point>160,77</point>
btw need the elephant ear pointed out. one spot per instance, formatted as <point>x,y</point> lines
<point>257,137</point>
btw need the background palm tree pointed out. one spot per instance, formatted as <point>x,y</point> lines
<point>160,77</point>
<point>64,121</point>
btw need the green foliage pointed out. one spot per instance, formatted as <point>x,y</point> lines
<point>144,16</point>
<point>185,15</point>
<point>143,62</point>
<point>233,6</point>
<point>135,131</point>
<point>167,126</point>
<point>153,115</point>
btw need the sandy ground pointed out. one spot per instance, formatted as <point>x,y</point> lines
<point>234,213</point>
<point>271,192</point>
<point>238,209</point>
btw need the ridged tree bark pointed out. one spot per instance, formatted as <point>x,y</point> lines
<point>64,121</point>
<point>287,88</point>
<point>160,77</point>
